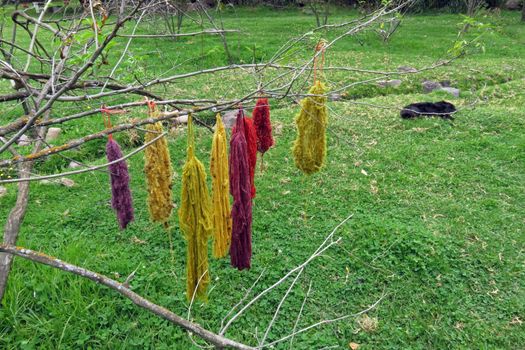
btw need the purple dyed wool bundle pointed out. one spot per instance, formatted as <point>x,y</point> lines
<point>240,188</point>
<point>120,193</point>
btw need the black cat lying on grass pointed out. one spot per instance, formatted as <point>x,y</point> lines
<point>440,109</point>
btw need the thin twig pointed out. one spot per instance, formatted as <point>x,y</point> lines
<point>323,247</point>
<point>276,313</point>
<point>371,307</point>
<point>299,315</point>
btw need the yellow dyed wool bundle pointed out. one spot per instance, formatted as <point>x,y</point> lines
<point>195,217</point>
<point>222,221</point>
<point>309,149</point>
<point>159,174</point>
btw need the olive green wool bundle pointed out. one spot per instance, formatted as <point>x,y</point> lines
<point>309,149</point>
<point>159,174</point>
<point>196,220</point>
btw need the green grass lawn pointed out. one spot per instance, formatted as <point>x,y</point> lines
<point>438,207</point>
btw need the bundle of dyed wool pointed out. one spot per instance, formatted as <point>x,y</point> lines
<point>263,125</point>
<point>309,149</point>
<point>195,217</point>
<point>222,221</point>
<point>250,136</point>
<point>121,200</point>
<point>159,173</point>
<point>241,243</point>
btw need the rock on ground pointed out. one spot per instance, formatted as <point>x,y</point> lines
<point>513,5</point>
<point>24,140</point>
<point>52,134</point>
<point>335,97</point>
<point>392,83</point>
<point>429,85</point>
<point>3,191</point>
<point>451,90</point>
<point>183,119</point>
<point>74,165</point>
<point>66,182</point>
<point>229,118</point>
<point>406,69</point>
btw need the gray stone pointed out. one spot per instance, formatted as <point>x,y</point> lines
<point>229,118</point>
<point>52,134</point>
<point>335,97</point>
<point>445,83</point>
<point>3,191</point>
<point>74,165</point>
<point>406,69</point>
<point>66,182</point>
<point>513,5</point>
<point>24,140</point>
<point>183,119</point>
<point>429,86</point>
<point>393,83</point>
<point>451,90</point>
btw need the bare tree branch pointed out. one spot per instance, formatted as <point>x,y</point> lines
<point>88,169</point>
<point>120,288</point>
<point>203,32</point>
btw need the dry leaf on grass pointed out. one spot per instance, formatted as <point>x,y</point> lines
<point>373,187</point>
<point>353,346</point>
<point>67,182</point>
<point>367,323</point>
<point>137,240</point>
<point>277,128</point>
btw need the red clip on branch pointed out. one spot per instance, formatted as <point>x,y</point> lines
<point>152,106</point>
<point>106,116</point>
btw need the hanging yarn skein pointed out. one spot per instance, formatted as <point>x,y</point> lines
<point>222,221</point>
<point>159,172</point>
<point>250,136</point>
<point>263,125</point>
<point>309,148</point>
<point>241,243</point>
<point>121,200</point>
<point>195,217</point>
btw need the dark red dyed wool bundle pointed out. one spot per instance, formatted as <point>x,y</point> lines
<point>263,125</point>
<point>241,242</point>
<point>120,193</point>
<point>251,140</point>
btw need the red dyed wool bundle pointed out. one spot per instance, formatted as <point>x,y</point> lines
<point>263,125</point>
<point>251,140</point>
<point>120,193</point>
<point>239,169</point>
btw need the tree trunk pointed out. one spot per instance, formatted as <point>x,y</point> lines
<point>16,216</point>
<point>326,12</point>
<point>316,13</point>
<point>12,226</point>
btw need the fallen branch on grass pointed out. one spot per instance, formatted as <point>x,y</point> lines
<point>215,339</point>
